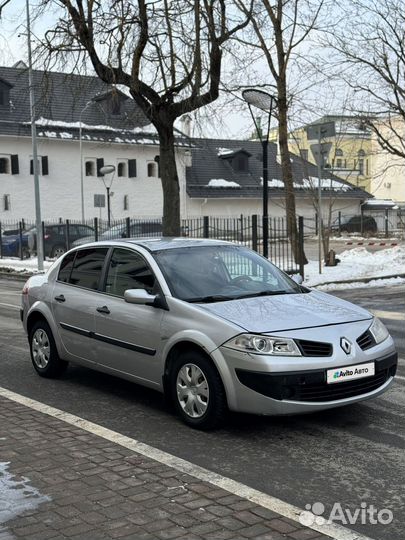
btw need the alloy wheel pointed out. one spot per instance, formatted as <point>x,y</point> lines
<point>41,348</point>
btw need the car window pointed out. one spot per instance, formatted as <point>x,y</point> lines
<point>128,270</point>
<point>83,230</point>
<point>66,267</point>
<point>87,267</point>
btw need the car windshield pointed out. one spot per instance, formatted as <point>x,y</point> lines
<point>221,272</point>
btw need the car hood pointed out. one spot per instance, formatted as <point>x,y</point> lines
<point>287,312</point>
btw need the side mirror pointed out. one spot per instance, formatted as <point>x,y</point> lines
<point>139,296</point>
<point>297,278</point>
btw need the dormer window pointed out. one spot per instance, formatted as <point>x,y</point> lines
<point>112,101</point>
<point>238,159</point>
<point>5,88</point>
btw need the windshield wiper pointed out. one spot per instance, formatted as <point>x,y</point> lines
<point>211,298</point>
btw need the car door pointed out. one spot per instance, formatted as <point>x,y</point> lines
<point>128,335</point>
<point>75,300</point>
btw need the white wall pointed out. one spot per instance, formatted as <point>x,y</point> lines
<point>236,207</point>
<point>60,189</point>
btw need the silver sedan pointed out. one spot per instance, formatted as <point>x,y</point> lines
<point>212,324</point>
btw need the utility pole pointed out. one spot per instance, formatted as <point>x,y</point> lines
<point>38,218</point>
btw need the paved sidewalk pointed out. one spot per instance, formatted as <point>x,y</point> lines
<point>64,482</point>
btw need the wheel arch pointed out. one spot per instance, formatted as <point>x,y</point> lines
<point>186,344</point>
<point>37,313</point>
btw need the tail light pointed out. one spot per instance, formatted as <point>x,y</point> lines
<point>26,288</point>
<point>47,236</point>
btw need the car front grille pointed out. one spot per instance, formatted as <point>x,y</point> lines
<point>332,392</point>
<point>311,386</point>
<point>366,340</point>
<point>314,348</point>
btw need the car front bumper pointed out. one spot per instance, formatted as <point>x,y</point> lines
<point>271,385</point>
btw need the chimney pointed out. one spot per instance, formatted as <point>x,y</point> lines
<point>185,122</point>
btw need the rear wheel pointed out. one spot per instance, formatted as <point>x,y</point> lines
<point>197,391</point>
<point>44,354</point>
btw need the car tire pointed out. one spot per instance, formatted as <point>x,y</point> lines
<point>58,251</point>
<point>44,354</point>
<point>197,391</point>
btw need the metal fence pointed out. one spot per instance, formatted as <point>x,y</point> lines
<point>18,239</point>
<point>381,223</point>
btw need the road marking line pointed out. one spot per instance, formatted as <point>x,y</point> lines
<point>335,531</point>
<point>9,305</point>
<point>393,315</point>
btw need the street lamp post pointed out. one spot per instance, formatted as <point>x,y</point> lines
<point>108,169</point>
<point>81,157</point>
<point>265,102</point>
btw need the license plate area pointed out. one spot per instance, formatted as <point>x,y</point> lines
<point>350,373</point>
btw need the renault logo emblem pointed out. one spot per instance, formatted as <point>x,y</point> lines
<point>346,345</point>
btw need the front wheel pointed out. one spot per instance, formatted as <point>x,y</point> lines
<point>197,391</point>
<point>44,354</point>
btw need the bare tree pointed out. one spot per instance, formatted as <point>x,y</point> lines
<point>167,53</point>
<point>280,29</point>
<point>369,50</point>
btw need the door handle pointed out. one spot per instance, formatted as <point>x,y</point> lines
<point>103,309</point>
<point>60,298</point>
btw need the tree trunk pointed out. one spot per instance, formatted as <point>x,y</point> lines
<point>170,182</point>
<point>286,168</point>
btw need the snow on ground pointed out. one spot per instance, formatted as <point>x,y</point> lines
<point>27,265</point>
<point>358,263</point>
<point>360,284</point>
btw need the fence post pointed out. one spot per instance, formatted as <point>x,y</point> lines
<point>128,227</point>
<point>254,232</point>
<point>67,235</point>
<point>316,223</point>
<point>241,228</point>
<point>361,220</point>
<point>386,223</point>
<point>20,238</point>
<point>301,244</point>
<point>1,242</point>
<point>96,229</point>
<point>206,227</point>
<point>43,239</point>
<point>340,221</point>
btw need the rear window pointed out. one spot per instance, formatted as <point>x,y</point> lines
<point>87,267</point>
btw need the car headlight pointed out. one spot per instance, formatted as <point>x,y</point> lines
<point>255,344</point>
<point>378,330</point>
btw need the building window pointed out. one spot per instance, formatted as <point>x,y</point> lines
<point>90,168</point>
<point>99,200</point>
<point>4,165</point>
<point>339,152</point>
<point>151,170</point>
<point>360,165</point>
<point>339,163</point>
<point>42,165</point>
<point>126,202</point>
<point>122,169</point>
<point>6,203</point>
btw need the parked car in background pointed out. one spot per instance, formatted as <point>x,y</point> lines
<point>10,243</point>
<point>137,229</point>
<point>365,224</point>
<point>55,238</point>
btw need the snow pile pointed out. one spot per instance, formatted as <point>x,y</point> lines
<point>27,265</point>
<point>360,284</point>
<point>220,182</point>
<point>358,263</point>
<point>148,129</point>
<point>224,151</point>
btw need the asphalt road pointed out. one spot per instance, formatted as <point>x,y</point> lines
<point>350,455</point>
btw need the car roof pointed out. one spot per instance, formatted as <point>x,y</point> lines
<point>166,242</point>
